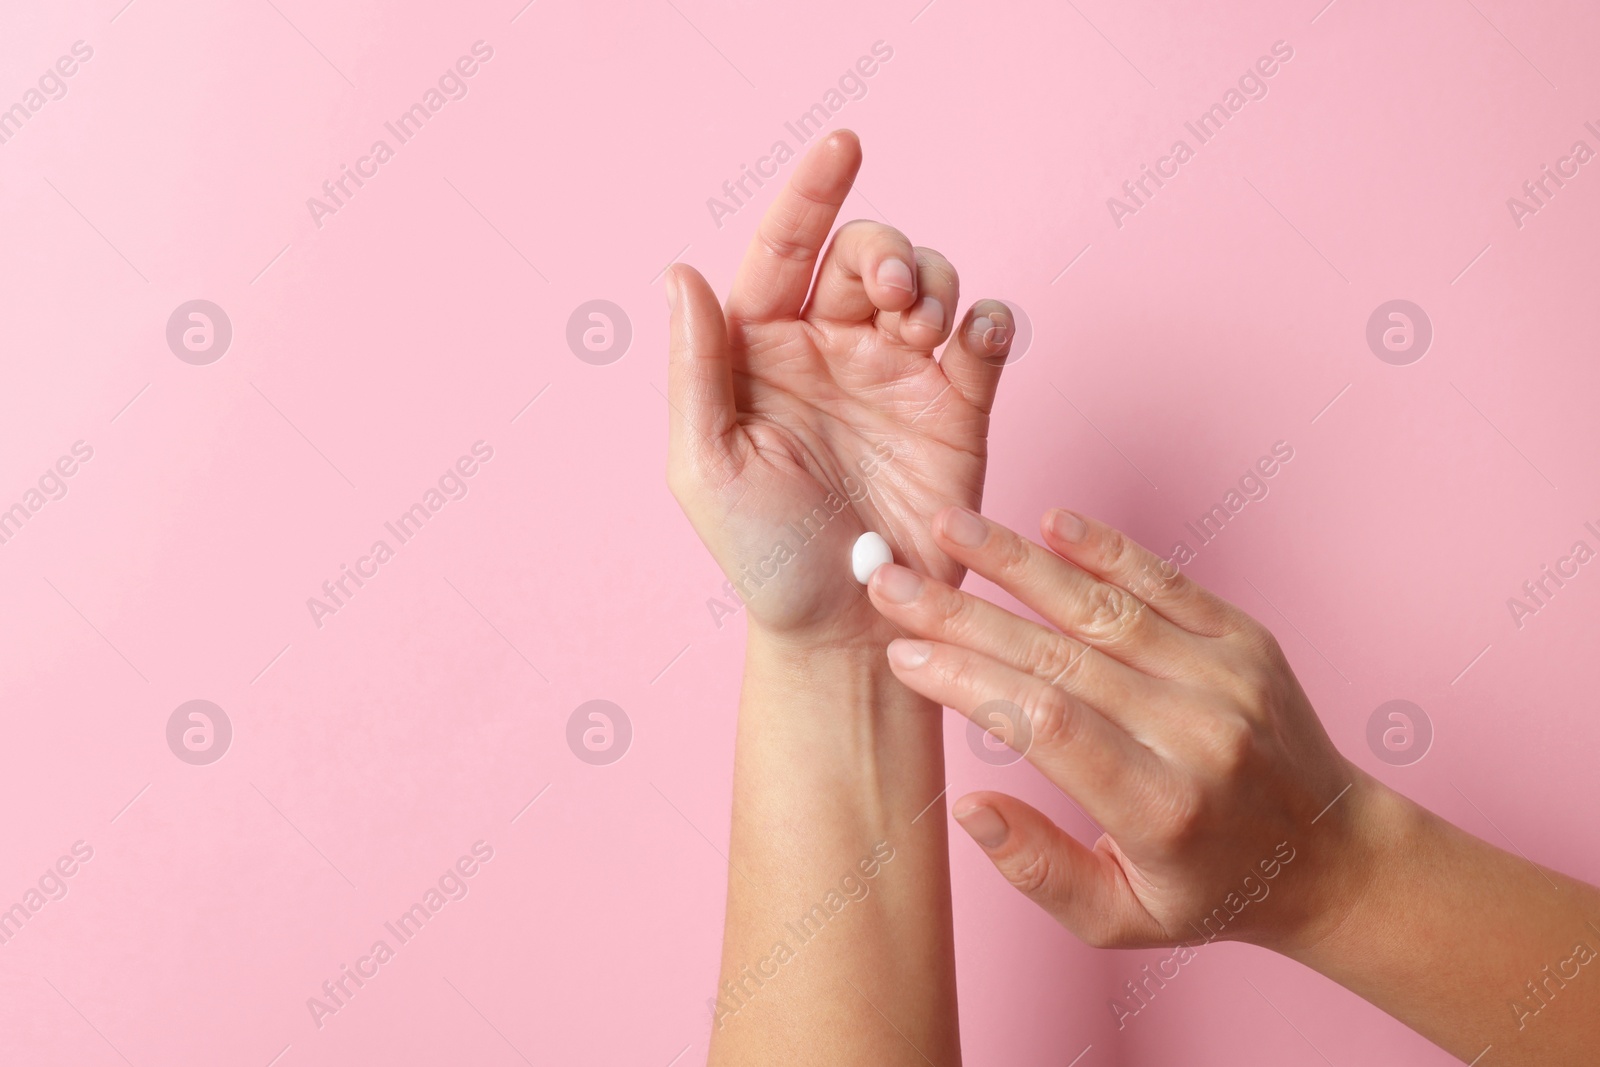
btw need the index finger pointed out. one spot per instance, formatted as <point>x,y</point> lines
<point>775,276</point>
<point>1119,559</point>
<point>1076,601</point>
<point>1075,746</point>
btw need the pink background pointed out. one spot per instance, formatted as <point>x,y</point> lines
<point>368,354</point>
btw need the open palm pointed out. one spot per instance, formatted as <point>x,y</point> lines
<point>799,424</point>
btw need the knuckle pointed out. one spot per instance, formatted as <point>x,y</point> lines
<point>887,233</point>
<point>941,273</point>
<point>1243,677</point>
<point>1264,666</point>
<point>869,233</point>
<point>1030,872</point>
<point>951,612</point>
<point>1229,741</point>
<point>895,241</point>
<point>1053,719</point>
<point>1271,651</point>
<point>1011,555</point>
<point>1114,614</point>
<point>1231,619</point>
<point>781,246</point>
<point>1260,646</point>
<point>956,672</point>
<point>1249,685</point>
<point>936,275</point>
<point>1055,659</point>
<point>934,262</point>
<point>1180,818</point>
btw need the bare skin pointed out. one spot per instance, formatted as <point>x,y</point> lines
<point>810,408</point>
<point>1174,719</point>
<point>807,411</point>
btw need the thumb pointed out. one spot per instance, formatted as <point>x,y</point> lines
<point>1083,888</point>
<point>699,371</point>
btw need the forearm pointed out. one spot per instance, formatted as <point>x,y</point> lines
<point>838,946</point>
<point>1474,947</point>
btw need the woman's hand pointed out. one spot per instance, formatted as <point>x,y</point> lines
<point>1168,714</point>
<point>808,411</point>
<point>798,424</point>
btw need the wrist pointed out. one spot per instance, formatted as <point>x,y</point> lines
<point>846,731</point>
<point>1374,841</point>
<point>853,639</point>
<point>841,696</point>
<point>832,669</point>
<point>858,630</point>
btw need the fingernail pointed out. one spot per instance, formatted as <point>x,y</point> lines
<point>898,585</point>
<point>928,312</point>
<point>964,528</point>
<point>894,274</point>
<point>1067,526</point>
<point>908,654</point>
<point>985,825</point>
<point>997,335</point>
<point>989,335</point>
<point>672,291</point>
<point>979,330</point>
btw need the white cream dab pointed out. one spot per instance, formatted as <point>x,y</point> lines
<point>871,551</point>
